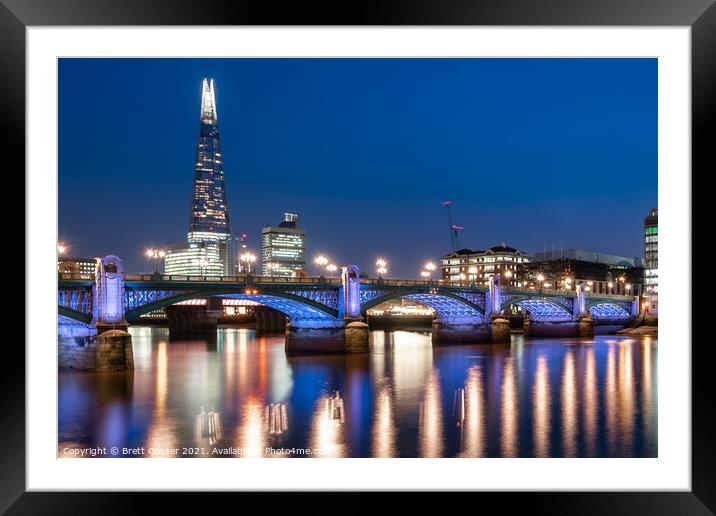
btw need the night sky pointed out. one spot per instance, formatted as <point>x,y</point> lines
<point>531,151</point>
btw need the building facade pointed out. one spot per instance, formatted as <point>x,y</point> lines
<point>202,258</point>
<point>209,249</point>
<point>600,273</point>
<point>469,267</point>
<point>283,248</point>
<point>83,266</point>
<point>651,260</point>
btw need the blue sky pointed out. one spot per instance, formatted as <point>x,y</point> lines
<point>531,151</point>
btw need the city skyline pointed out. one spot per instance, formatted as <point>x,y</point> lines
<point>281,154</point>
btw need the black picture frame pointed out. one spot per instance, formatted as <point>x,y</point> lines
<point>699,15</point>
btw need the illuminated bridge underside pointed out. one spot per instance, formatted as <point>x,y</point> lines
<point>448,308</point>
<point>541,309</point>
<point>301,314</point>
<point>608,311</point>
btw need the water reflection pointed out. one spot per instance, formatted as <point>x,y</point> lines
<point>328,427</point>
<point>541,409</point>
<point>508,434</point>
<point>536,398</point>
<point>569,407</point>
<point>472,415</point>
<point>431,419</point>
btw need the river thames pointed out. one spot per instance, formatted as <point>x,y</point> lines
<point>241,396</point>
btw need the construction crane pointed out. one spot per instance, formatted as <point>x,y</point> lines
<point>454,237</point>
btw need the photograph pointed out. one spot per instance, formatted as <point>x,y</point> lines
<point>358,257</point>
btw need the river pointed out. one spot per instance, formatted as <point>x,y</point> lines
<point>239,395</point>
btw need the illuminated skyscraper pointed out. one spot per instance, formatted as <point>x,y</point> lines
<point>207,251</point>
<point>209,218</point>
<point>651,259</point>
<point>283,248</point>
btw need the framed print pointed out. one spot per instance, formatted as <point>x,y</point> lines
<point>416,249</point>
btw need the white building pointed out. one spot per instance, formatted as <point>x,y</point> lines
<point>199,258</point>
<point>283,248</point>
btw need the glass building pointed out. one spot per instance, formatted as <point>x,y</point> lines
<point>194,259</point>
<point>209,217</point>
<point>651,258</point>
<point>209,250</point>
<point>283,250</point>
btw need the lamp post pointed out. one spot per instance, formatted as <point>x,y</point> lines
<point>540,279</point>
<point>155,254</point>
<point>61,249</point>
<point>331,268</point>
<point>381,267</point>
<point>249,258</point>
<point>321,261</point>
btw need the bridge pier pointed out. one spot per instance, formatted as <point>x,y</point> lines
<point>186,321</point>
<point>347,333</point>
<point>572,327</point>
<point>319,337</point>
<point>269,320</point>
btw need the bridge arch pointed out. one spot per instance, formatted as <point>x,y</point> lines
<point>291,305</point>
<point>540,307</point>
<point>446,304</point>
<point>605,310</point>
<point>69,315</point>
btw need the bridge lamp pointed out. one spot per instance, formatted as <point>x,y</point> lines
<point>249,258</point>
<point>321,261</point>
<point>155,254</point>
<point>587,288</point>
<point>382,270</point>
<point>430,266</point>
<point>425,274</point>
<point>627,287</point>
<point>380,262</point>
<point>331,267</point>
<point>61,249</point>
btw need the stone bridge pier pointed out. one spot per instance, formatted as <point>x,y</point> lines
<point>106,345</point>
<point>577,324</point>
<point>346,333</point>
<point>474,328</point>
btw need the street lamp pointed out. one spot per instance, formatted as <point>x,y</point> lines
<point>430,266</point>
<point>540,279</point>
<point>331,268</point>
<point>381,265</point>
<point>61,249</point>
<point>249,258</point>
<point>155,254</point>
<point>425,274</point>
<point>321,261</point>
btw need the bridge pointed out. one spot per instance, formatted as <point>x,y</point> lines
<point>328,312</point>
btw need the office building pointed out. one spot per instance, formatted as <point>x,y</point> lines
<point>202,258</point>
<point>283,248</point>
<point>600,273</point>
<point>468,266</point>
<point>651,260</point>
<point>82,266</point>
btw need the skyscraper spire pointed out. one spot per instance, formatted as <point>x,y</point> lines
<point>209,218</point>
<point>208,101</point>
